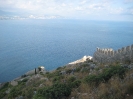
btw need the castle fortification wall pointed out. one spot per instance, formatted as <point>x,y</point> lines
<point>108,55</point>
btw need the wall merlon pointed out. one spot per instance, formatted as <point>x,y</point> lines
<point>108,55</point>
<point>111,49</point>
<point>97,49</point>
<point>119,50</point>
<point>106,52</point>
<point>123,49</point>
<point>116,52</point>
<point>103,51</point>
<point>128,48</point>
<point>108,49</point>
<point>100,50</point>
<point>112,53</point>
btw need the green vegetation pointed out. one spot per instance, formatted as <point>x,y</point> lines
<point>17,90</point>
<point>77,69</point>
<point>3,89</point>
<point>56,91</point>
<point>57,78</point>
<point>113,82</point>
<point>75,84</point>
<point>106,75</point>
<point>35,71</point>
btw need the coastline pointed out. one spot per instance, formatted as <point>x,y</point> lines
<point>73,75</point>
<point>31,72</point>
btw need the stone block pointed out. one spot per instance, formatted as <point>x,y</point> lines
<point>14,83</point>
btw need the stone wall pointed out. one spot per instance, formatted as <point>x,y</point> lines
<point>109,55</point>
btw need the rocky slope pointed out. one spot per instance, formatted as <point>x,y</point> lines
<point>81,80</point>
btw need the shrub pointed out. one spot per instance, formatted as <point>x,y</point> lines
<point>57,78</point>
<point>84,70</point>
<point>68,71</point>
<point>47,72</point>
<point>24,80</point>
<point>3,89</point>
<point>59,68</point>
<point>93,79</point>
<point>72,79</point>
<point>75,84</point>
<point>2,94</point>
<point>77,69</point>
<point>97,69</point>
<point>16,90</point>
<point>84,65</point>
<point>50,75</point>
<point>41,73</point>
<point>56,91</point>
<point>113,70</point>
<point>106,75</point>
<point>23,76</point>
<point>130,88</point>
<point>4,86</point>
<point>127,61</point>
<point>29,93</point>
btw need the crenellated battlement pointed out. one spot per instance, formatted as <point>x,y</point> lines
<point>108,55</point>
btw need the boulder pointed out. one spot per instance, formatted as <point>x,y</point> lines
<point>14,83</point>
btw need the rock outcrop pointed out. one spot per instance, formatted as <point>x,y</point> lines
<point>85,58</point>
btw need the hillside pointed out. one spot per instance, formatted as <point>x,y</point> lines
<point>87,80</point>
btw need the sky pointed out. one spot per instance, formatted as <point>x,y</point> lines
<point>121,10</point>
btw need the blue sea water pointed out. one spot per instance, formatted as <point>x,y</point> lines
<point>27,44</point>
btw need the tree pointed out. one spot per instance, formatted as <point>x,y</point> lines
<point>35,71</point>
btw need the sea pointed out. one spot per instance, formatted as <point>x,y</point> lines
<point>27,44</point>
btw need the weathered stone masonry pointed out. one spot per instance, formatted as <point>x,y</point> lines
<point>108,55</point>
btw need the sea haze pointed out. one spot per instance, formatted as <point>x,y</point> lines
<point>27,44</point>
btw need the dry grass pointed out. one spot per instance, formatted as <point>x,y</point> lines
<point>115,88</point>
<point>82,92</point>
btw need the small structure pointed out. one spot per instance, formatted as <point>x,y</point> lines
<point>41,68</point>
<point>36,70</point>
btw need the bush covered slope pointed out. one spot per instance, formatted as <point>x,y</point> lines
<point>86,80</point>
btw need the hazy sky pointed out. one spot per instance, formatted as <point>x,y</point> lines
<point>69,9</point>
